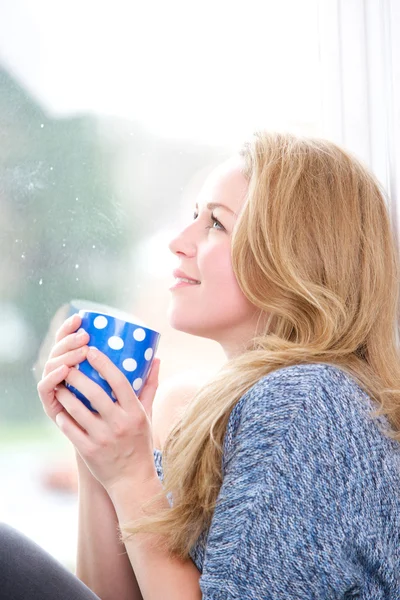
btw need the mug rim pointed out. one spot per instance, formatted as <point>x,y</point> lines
<point>105,314</point>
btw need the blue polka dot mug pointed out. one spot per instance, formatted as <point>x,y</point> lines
<point>129,345</point>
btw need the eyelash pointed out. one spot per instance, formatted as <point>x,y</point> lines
<point>195,215</point>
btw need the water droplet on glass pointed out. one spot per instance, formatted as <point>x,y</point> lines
<point>77,279</point>
<point>51,168</point>
<point>40,281</point>
<point>77,198</point>
<point>93,246</point>
<point>42,125</point>
<point>76,266</point>
<point>22,255</point>
<point>63,245</point>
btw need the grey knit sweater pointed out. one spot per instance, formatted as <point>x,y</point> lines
<point>309,507</point>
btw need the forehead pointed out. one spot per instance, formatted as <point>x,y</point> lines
<point>225,184</point>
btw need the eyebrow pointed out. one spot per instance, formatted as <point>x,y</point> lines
<point>212,205</point>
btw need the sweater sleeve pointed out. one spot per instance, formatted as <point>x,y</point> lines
<point>274,533</point>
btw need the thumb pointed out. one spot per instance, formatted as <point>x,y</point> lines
<point>150,387</point>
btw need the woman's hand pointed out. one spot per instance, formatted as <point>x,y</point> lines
<point>116,444</point>
<point>69,350</point>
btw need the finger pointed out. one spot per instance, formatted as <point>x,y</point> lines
<point>98,398</point>
<point>72,358</point>
<point>76,435</point>
<point>69,326</point>
<point>150,388</point>
<point>115,378</point>
<point>84,418</point>
<point>46,390</point>
<point>70,342</point>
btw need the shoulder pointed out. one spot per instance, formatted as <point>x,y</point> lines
<point>304,377</point>
<point>299,383</point>
<point>306,392</point>
<point>288,386</point>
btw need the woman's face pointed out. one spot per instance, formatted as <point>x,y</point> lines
<point>216,307</point>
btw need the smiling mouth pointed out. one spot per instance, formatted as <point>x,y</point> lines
<point>186,280</point>
<point>179,283</point>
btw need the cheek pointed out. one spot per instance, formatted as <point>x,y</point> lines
<point>219,277</point>
<point>216,266</point>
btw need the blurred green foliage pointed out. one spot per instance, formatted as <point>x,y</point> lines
<point>59,218</point>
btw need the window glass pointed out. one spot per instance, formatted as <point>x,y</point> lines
<point>111,116</point>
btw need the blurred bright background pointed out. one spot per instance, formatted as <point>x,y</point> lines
<point>112,114</point>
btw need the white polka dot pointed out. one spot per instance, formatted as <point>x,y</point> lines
<point>100,322</point>
<point>139,334</point>
<point>113,395</point>
<point>129,364</point>
<point>115,342</point>
<point>137,383</point>
<point>148,354</point>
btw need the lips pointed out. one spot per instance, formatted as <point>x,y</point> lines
<point>177,273</point>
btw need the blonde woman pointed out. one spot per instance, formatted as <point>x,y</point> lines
<point>280,479</point>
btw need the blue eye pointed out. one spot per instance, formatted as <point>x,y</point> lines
<point>216,221</point>
<point>195,215</point>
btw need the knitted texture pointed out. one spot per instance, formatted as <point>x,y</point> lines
<point>309,507</point>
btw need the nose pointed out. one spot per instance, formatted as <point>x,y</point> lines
<point>181,244</point>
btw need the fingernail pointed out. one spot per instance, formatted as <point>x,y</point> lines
<point>92,353</point>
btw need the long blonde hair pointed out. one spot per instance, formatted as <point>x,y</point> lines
<point>313,249</point>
